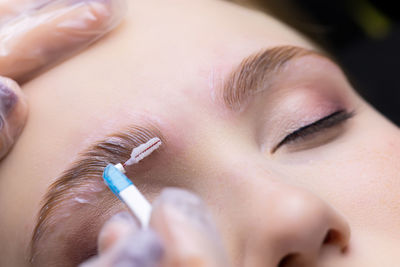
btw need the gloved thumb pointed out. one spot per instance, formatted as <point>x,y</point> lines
<point>185,225</point>
<point>13,114</point>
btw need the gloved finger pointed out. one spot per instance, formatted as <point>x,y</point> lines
<point>12,8</point>
<point>44,36</point>
<point>126,245</point>
<point>183,235</point>
<point>115,229</point>
<point>183,223</point>
<point>13,114</point>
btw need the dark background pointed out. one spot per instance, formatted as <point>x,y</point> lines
<point>362,35</point>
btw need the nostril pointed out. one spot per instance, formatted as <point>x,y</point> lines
<point>331,237</point>
<point>288,260</point>
<point>334,237</point>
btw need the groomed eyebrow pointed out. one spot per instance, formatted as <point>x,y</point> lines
<point>249,78</point>
<point>254,74</point>
<point>85,170</point>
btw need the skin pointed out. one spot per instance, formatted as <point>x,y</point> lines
<point>37,44</point>
<point>165,64</point>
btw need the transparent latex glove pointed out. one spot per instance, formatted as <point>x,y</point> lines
<point>13,113</point>
<point>181,233</point>
<point>35,34</point>
<point>11,8</point>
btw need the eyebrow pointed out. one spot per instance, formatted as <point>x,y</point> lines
<point>254,73</point>
<point>249,78</point>
<point>87,168</point>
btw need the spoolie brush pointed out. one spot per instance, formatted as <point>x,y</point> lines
<point>124,189</point>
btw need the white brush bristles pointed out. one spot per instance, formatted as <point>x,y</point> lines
<point>143,150</point>
<point>120,167</point>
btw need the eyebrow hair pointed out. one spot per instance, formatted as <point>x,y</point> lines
<point>113,149</point>
<point>249,78</point>
<point>254,73</point>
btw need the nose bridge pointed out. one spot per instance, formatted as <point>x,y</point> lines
<point>290,226</point>
<point>272,222</point>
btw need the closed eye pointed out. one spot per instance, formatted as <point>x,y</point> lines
<point>327,122</point>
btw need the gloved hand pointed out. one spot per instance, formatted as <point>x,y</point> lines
<point>36,34</point>
<point>13,113</point>
<point>181,233</point>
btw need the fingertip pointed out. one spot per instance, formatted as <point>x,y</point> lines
<point>184,223</point>
<point>13,113</point>
<point>92,18</point>
<point>188,205</point>
<point>144,249</point>
<point>117,227</point>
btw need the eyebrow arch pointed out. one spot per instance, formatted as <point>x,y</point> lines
<point>87,168</point>
<point>254,73</point>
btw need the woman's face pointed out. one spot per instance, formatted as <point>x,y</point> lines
<point>289,159</point>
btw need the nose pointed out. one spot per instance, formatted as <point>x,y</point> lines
<point>297,229</point>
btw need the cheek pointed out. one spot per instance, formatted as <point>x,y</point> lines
<point>370,173</point>
<point>360,175</point>
<point>366,185</point>
<point>375,185</point>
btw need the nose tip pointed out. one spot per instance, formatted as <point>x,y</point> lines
<point>306,226</point>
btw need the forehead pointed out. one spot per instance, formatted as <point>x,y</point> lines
<point>177,52</point>
<point>180,49</point>
<point>165,59</point>
<point>202,34</point>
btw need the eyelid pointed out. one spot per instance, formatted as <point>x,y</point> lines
<point>326,122</point>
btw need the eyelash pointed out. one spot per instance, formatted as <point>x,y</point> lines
<point>327,122</point>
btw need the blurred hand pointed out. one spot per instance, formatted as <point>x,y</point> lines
<point>36,34</point>
<point>13,113</point>
<point>181,234</point>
